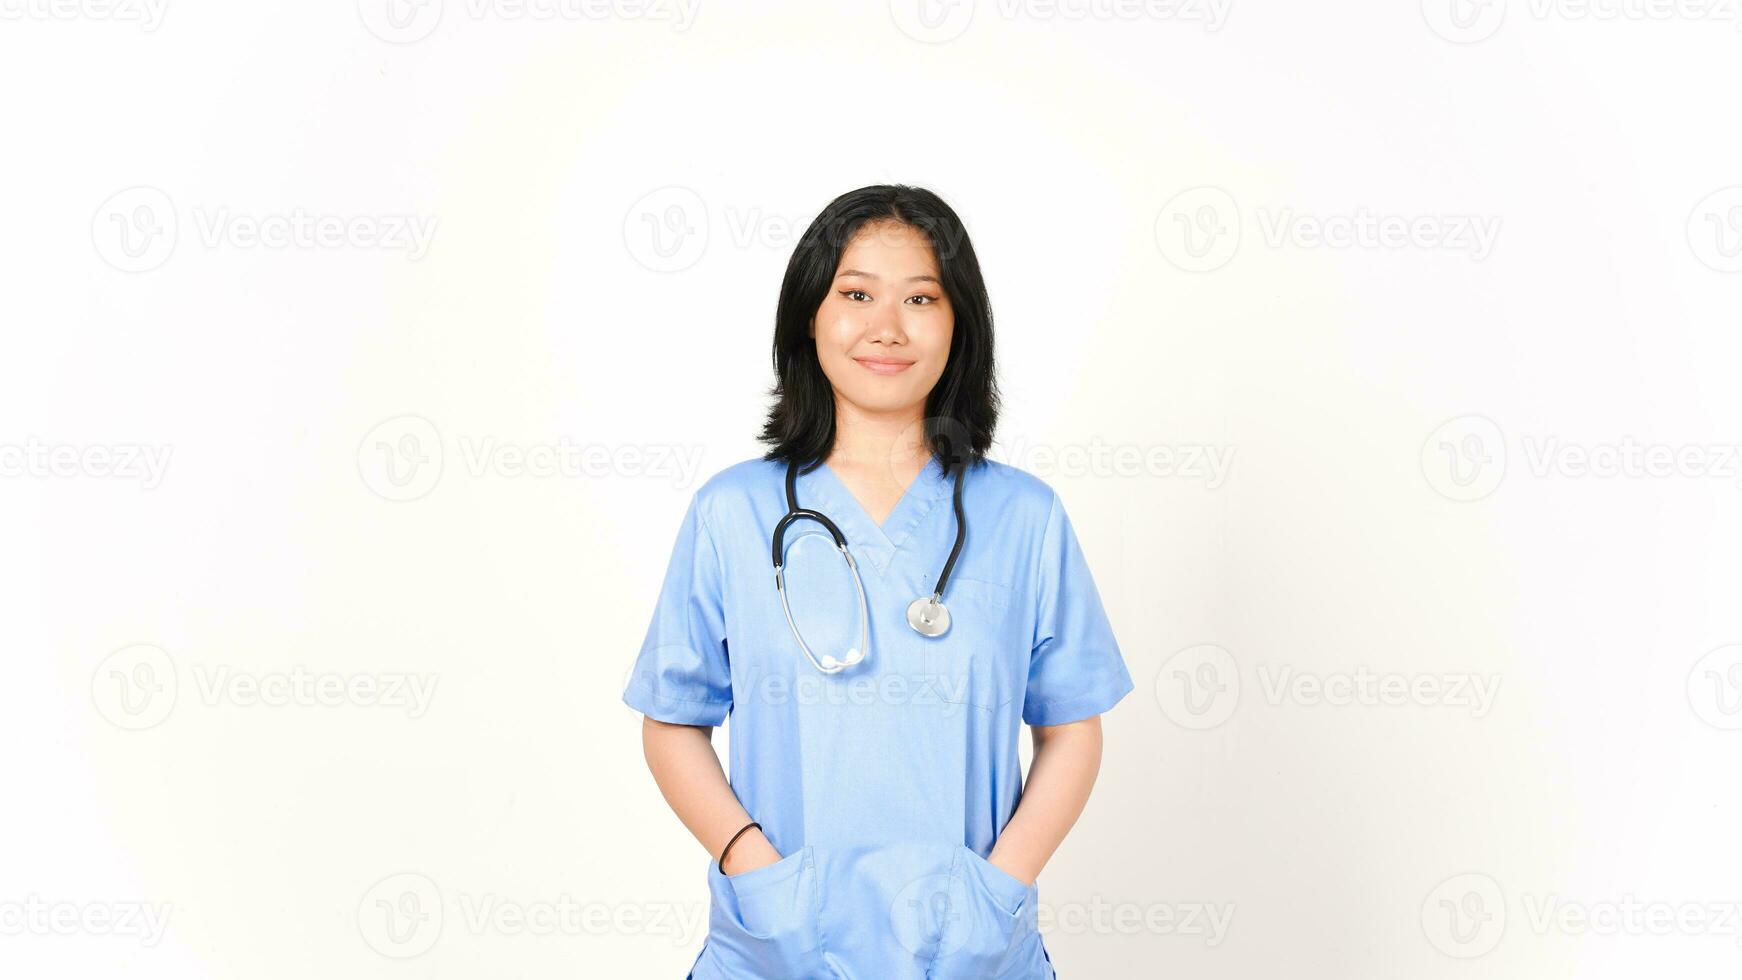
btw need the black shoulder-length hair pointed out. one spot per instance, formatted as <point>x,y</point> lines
<point>961,410</point>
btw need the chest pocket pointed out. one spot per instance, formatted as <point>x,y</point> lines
<point>987,644</point>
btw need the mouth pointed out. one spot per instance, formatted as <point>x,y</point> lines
<point>883,365</point>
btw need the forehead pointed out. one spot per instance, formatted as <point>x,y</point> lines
<point>889,249</point>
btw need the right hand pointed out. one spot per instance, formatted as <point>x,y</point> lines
<point>751,852</point>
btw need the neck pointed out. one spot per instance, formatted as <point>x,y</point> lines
<point>894,439</point>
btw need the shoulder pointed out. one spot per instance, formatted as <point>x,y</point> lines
<point>743,475</point>
<point>1021,496</point>
<point>727,493</point>
<point>1014,482</point>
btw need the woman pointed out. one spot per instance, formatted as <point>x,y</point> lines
<point>876,825</point>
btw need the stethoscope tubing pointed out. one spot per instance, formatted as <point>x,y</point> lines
<point>829,665</point>
<point>961,534</point>
<point>794,513</point>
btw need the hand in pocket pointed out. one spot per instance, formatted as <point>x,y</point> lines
<point>998,917</point>
<point>750,852</point>
<point>763,921</point>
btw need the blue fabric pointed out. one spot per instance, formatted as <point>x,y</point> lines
<point>885,785</point>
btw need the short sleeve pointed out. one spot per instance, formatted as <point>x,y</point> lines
<point>1075,670</point>
<point>682,675</point>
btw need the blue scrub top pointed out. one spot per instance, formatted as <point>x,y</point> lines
<point>884,785</point>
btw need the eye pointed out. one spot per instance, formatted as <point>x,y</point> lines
<point>929,300</point>
<point>850,293</point>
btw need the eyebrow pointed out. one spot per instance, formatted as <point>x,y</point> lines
<point>872,275</point>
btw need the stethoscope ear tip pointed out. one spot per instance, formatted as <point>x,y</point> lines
<point>830,665</point>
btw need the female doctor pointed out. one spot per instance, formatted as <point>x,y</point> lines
<point>878,658</point>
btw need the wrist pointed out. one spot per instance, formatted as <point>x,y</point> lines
<point>751,850</point>
<point>1003,863</point>
<point>725,855</point>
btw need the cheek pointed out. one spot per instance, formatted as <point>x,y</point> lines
<point>835,330</point>
<point>937,341</point>
<point>834,339</point>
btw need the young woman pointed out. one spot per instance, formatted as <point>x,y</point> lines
<point>879,652</point>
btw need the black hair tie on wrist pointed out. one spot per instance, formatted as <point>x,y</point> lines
<point>721,863</point>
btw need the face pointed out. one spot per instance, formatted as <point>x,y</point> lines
<point>883,330</point>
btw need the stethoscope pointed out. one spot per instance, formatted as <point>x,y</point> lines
<point>927,614</point>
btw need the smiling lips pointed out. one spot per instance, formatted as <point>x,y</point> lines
<point>883,365</point>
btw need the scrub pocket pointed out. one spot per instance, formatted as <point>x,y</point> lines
<point>763,922</point>
<point>1001,916</point>
<point>982,630</point>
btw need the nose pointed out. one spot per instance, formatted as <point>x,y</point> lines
<point>884,326</point>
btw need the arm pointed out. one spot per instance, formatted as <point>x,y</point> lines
<point>1066,759</point>
<point>683,763</point>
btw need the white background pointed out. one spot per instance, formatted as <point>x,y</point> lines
<point>1431,477</point>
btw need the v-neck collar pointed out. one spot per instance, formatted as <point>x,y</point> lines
<point>869,540</point>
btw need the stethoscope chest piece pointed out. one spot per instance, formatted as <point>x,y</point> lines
<point>928,616</point>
